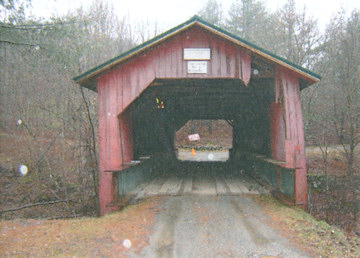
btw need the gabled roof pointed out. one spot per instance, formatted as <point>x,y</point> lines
<point>88,78</point>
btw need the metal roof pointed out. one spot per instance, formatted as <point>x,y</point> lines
<point>87,79</point>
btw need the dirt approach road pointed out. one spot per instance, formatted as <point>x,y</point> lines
<point>215,226</point>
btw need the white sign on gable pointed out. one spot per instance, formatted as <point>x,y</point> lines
<point>197,54</point>
<point>197,67</point>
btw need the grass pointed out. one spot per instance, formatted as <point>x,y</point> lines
<point>315,237</point>
<point>334,151</point>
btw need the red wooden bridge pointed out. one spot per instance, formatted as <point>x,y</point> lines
<point>199,71</point>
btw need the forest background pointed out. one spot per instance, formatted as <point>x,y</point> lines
<point>49,123</point>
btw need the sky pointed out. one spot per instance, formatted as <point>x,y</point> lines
<point>169,13</point>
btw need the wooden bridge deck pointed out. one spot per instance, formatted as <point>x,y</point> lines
<point>211,184</point>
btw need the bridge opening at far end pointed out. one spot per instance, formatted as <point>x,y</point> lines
<point>204,141</point>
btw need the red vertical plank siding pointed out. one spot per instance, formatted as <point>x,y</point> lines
<point>162,62</point>
<point>277,85</point>
<point>133,81</point>
<point>295,134</point>
<point>105,180</point>
<point>108,141</point>
<point>126,135</point>
<point>222,58</point>
<point>289,153</point>
<point>166,61</point>
<point>238,73</point>
<point>177,60</point>
<point>231,55</point>
<point>245,67</point>
<point>126,88</point>
<point>215,57</point>
<point>277,132</point>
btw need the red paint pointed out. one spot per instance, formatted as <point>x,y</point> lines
<point>245,66</point>
<point>109,151</point>
<point>277,85</point>
<point>289,153</point>
<point>166,61</point>
<point>294,144</point>
<point>126,135</point>
<point>119,87</point>
<point>286,127</point>
<point>277,132</point>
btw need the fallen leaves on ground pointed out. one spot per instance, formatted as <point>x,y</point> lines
<point>80,237</point>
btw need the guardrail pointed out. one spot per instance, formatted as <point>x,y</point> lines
<point>272,174</point>
<point>133,174</point>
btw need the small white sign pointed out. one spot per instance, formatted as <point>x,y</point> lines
<point>194,137</point>
<point>196,53</point>
<point>197,67</point>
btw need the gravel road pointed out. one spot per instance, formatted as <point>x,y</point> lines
<point>215,226</point>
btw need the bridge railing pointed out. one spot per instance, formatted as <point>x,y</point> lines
<point>272,174</point>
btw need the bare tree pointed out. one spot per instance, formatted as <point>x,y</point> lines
<point>296,35</point>
<point>57,134</point>
<point>342,58</point>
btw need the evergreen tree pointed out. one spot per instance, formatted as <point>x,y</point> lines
<point>250,20</point>
<point>212,12</point>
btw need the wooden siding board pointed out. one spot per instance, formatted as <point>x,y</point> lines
<point>222,59</point>
<point>277,85</point>
<point>215,56</point>
<point>126,131</point>
<point>277,132</point>
<point>105,180</point>
<point>232,61</point>
<point>238,73</point>
<point>286,106</point>
<point>296,145</point>
<point>245,66</point>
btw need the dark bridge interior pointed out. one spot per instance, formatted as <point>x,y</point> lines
<point>166,105</point>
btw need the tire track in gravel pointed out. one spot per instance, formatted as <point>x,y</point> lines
<point>255,235</point>
<point>164,238</point>
<point>215,226</point>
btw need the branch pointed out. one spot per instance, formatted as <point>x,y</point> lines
<point>36,204</point>
<point>18,43</point>
<point>34,26</point>
<point>65,217</point>
<point>48,148</point>
<point>92,128</point>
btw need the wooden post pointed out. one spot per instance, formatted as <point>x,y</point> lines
<point>294,143</point>
<point>278,178</point>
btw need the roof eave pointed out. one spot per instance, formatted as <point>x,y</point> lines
<point>88,79</point>
<point>312,77</point>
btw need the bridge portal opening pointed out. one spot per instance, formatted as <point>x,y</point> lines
<point>169,111</point>
<point>204,141</point>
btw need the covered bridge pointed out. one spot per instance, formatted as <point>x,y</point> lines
<point>199,71</point>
